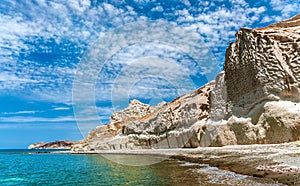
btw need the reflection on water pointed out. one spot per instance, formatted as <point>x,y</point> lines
<point>167,172</point>
<point>172,172</point>
<point>134,160</point>
<point>25,168</point>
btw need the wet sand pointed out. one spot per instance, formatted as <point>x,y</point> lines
<point>280,162</point>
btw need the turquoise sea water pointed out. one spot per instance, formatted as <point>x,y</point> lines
<point>23,167</point>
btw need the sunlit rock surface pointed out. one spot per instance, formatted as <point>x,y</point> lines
<point>167,125</point>
<point>263,65</point>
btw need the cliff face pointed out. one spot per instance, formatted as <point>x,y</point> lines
<point>255,100</point>
<point>263,65</point>
<point>167,125</point>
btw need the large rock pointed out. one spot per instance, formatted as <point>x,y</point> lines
<point>254,100</point>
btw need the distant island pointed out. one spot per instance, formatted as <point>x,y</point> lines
<point>64,144</point>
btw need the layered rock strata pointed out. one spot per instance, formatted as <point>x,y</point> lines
<point>254,100</point>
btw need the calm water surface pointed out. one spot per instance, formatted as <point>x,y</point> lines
<point>22,167</point>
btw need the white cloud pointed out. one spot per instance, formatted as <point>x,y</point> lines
<point>11,81</point>
<point>104,111</point>
<point>12,77</point>
<point>141,1</point>
<point>239,2</point>
<point>218,23</point>
<point>31,126</point>
<point>61,108</point>
<point>287,9</point>
<point>80,5</point>
<point>152,77</point>
<point>161,62</point>
<point>157,9</point>
<point>73,21</point>
<point>22,119</point>
<point>22,112</point>
<point>186,3</point>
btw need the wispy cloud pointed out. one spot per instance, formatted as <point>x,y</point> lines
<point>60,119</point>
<point>36,126</point>
<point>61,108</point>
<point>11,81</point>
<point>286,9</point>
<point>23,119</point>
<point>56,32</point>
<point>22,112</point>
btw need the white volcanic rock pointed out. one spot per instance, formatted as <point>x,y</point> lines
<point>263,65</point>
<point>219,105</point>
<point>36,145</point>
<point>167,125</point>
<point>136,109</point>
<point>254,100</point>
<point>280,122</point>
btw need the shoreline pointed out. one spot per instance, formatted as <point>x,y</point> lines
<point>280,162</point>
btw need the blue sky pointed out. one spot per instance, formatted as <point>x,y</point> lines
<point>43,43</point>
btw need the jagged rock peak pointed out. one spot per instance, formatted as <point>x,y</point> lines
<point>135,102</point>
<point>136,109</point>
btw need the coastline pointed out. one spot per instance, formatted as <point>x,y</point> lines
<point>262,108</point>
<point>280,162</point>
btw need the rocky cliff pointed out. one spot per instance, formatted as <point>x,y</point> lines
<point>167,125</point>
<point>263,65</point>
<point>261,86</point>
<point>254,100</point>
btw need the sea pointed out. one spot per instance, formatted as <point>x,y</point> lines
<point>36,167</point>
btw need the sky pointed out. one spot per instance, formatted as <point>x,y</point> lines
<point>65,66</point>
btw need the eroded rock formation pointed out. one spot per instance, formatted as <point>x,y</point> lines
<point>263,65</point>
<point>254,100</point>
<point>167,125</point>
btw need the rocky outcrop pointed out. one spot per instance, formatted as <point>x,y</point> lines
<point>65,144</point>
<point>254,100</point>
<point>36,145</point>
<point>166,125</point>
